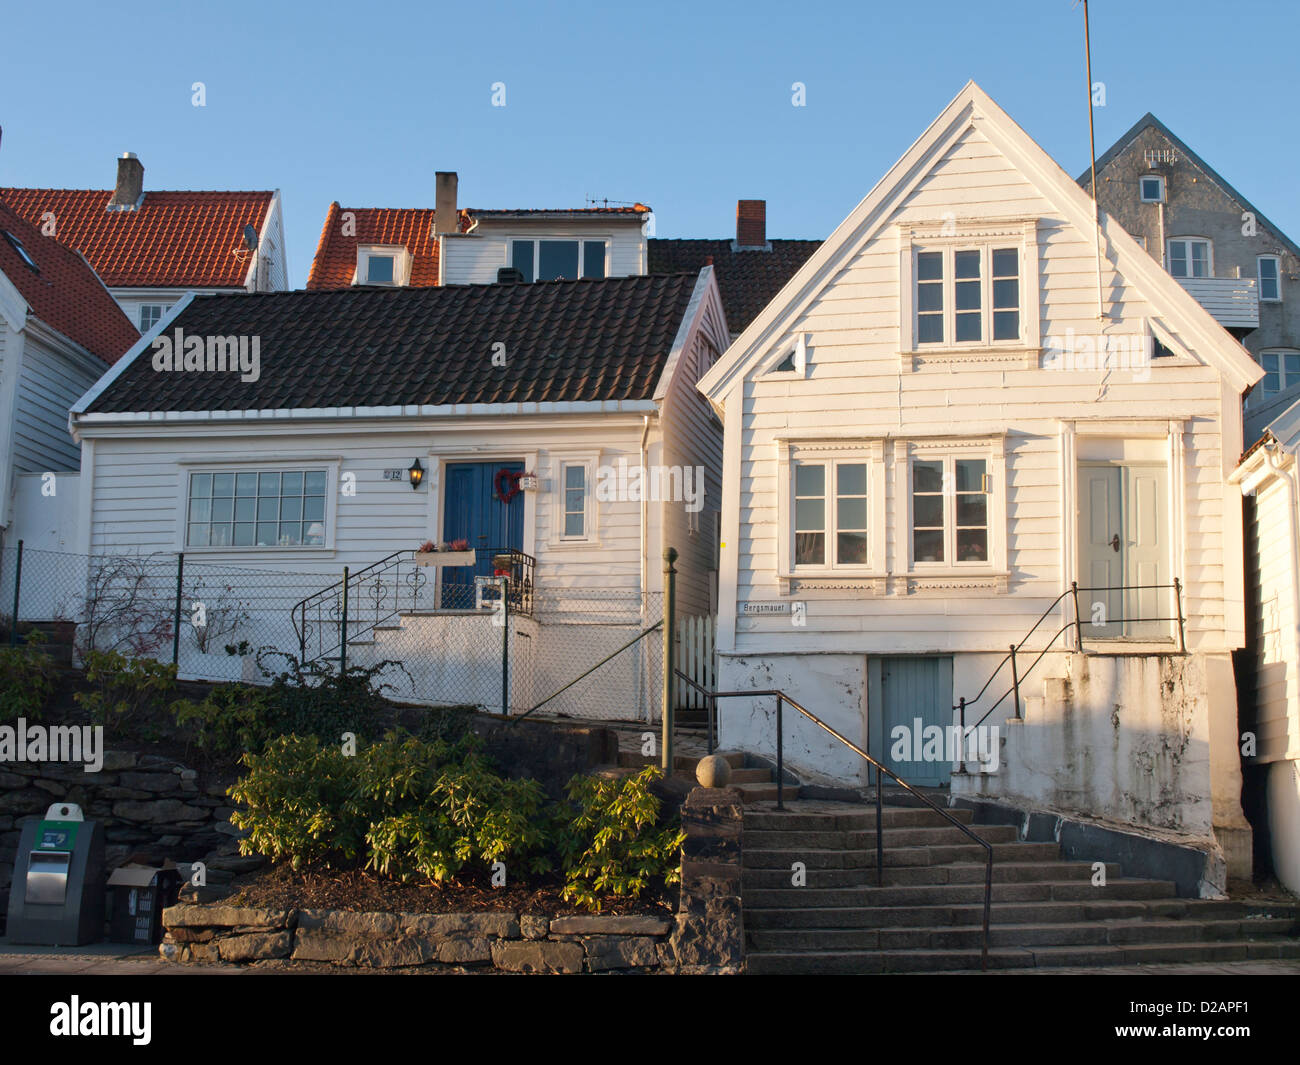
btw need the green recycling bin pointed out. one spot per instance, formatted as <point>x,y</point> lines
<point>57,895</point>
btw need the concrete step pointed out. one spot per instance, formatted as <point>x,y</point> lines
<point>855,818</point>
<point>940,894</point>
<point>844,962</point>
<point>865,839</point>
<point>895,876</point>
<point>758,857</point>
<point>765,792</point>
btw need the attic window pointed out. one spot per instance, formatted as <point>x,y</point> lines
<point>379,264</point>
<point>555,260</point>
<point>795,359</point>
<point>379,270</point>
<point>1152,188</point>
<point>17,245</point>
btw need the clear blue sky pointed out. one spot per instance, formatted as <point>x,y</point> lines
<point>685,106</point>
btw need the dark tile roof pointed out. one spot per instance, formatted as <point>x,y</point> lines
<point>172,240</point>
<point>747,280</point>
<point>63,291</point>
<point>564,341</point>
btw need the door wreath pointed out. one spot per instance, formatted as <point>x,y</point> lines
<point>506,485</point>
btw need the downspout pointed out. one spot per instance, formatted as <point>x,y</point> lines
<point>1275,464</point>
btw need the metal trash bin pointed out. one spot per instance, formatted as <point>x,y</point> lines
<point>138,894</point>
<point>57,895</point>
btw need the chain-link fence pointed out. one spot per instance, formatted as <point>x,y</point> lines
<point>459,638</point>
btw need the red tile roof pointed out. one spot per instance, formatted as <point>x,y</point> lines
<point>172,240</point>
<point>63,292</point>
<point>412,228</point>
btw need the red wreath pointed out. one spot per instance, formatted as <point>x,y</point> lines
<point>507,485</point>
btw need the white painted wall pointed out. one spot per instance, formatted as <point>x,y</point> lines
<point>474,258</point>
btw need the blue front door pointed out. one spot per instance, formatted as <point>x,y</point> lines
<point>474,511</point>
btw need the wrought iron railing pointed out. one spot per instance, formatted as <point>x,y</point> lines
<point>963,705</point>
<point>361,601</point>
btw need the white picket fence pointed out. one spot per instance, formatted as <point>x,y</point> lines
<point>697,659</point>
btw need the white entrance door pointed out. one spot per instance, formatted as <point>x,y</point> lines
<point>1124,550</point>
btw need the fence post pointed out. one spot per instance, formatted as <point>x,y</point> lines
<point>343,628</point>
<point>780,755</point>
<point>505,645</point>
<point>176,620</point>
<point>18,583</point>
<point>670,642</point>
<point>961,754</point>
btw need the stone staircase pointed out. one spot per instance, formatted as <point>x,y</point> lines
<point>927,914</point>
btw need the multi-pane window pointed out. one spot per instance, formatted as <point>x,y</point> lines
<point>969,294</point>
<point>1281,370</point>
<point>150,315</point>
<point>1270,278</point>
<point>830,513</point>
<point>264,508</point>
<point>553,260</point>
<point>950,511</point>
<point>1190,257</point>
<point>575,501</point>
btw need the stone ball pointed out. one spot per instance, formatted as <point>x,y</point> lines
<point>714,771</point>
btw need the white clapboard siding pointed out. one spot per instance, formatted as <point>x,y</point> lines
<point>1273,557</point>
<point>50,383</point>
<point>475,257</point>
<point>855,388</point>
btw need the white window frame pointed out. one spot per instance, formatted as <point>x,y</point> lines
<point>1189,241</point>
<point>992,450</point>
<point>832,453</point>
<point>400,255</point>
<point>1159,179</point>
<point>949,236</point>
<point>163,308</point>
<point>1259,394</point>
<point>189,466</point>
<point>1259,274</point>
<point>795,350</point>
<point>537,243</point>
<point>590,463</point>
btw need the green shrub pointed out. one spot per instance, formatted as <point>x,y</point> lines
<point>27,677</point>
<point>301,804</point>
<point>613,845</point>
<point>127,692</point>
<point>229,718</point>
<point>314,699</point>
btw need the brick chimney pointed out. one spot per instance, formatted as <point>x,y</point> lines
<point>444,219</point>
<point>751,223</point>
<point>130,183</point>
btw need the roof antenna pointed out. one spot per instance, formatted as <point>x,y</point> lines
<point>1092,155</point>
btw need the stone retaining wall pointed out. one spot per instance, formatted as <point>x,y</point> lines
<point>152,808</point>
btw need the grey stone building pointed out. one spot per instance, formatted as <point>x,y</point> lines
<point>1221,248</point>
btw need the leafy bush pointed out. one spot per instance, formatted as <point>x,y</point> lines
<point>127,692</point>
<point>27,676</point>
<point>314,699</point>
<point>230,718</point>
<point>612,844</point>
<point>301,804</point>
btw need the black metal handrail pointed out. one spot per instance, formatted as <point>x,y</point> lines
<point>363,600</point>
<point>781,699</point>
<point>963,704</point>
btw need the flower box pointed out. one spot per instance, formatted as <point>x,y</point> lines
<point>445,558</point>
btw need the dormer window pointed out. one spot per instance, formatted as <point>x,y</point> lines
<point>383,265</point>
<point>555,260</point>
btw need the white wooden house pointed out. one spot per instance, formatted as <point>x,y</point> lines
<point>529,409</point>
<point>924,451</point>
<point>1269,480</point>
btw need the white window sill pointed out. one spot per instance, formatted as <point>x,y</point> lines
<point>572,545</point>
<point>1018,354</point>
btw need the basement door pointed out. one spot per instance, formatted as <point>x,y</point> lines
<point>1123,551</point>
<point>905,696</point>
<point>473,511</point>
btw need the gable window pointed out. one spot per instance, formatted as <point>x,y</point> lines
<point>795,359</point>
<point>967,295</point>
<point>1152,188</point>
<point>554,260</point>
<point>950,514</point>
<point>151,314</point>
<point>1270,278</point>
<point>379,270</point>
<point>256,508</point>
<point>1190,257</point>
<point>1281,371</point>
